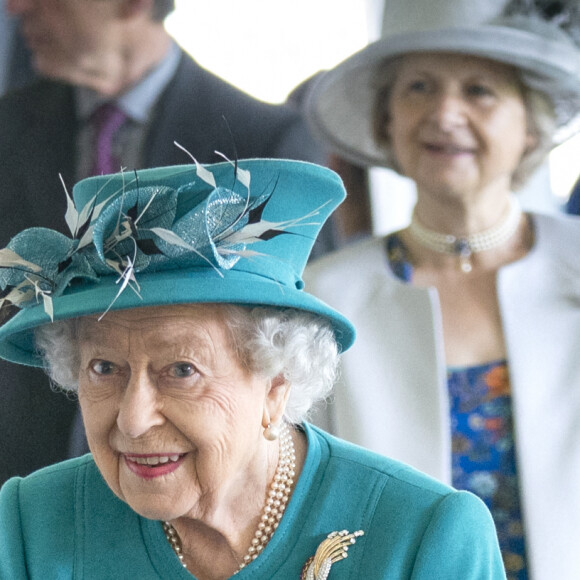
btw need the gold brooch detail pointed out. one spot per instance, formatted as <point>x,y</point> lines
<point>331,550</point>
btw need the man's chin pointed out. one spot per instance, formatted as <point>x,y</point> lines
<point>48,66</point>
<point>70,73</point>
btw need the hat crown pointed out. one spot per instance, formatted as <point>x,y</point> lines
<point>404,16</point>
<point>544,19</point>
<point>234,215</point>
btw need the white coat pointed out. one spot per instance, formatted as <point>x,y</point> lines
<point>392,396</point>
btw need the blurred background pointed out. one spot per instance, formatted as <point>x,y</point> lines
<point>266,47</point>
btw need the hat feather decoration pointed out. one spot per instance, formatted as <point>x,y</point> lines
<point>565,14</point>
<point>140,229</point>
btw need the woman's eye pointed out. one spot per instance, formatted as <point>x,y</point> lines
<point>479,91</point>
<point>103,367</point>
<point>182,370</point>
<point>418,86</point>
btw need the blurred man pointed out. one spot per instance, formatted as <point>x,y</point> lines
<point>98,56</point>
<point>118,50</point>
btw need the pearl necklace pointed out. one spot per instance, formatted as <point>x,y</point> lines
<point>174,541</point>
<point>278,496</point>
<point>465,246</point>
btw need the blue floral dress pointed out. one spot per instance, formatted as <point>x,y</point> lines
<point>482,438</point>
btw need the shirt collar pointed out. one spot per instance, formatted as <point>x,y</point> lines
<point>138,101</point>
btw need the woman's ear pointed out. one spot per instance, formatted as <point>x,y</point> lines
<point>531,142</point>
<point>275,402</point>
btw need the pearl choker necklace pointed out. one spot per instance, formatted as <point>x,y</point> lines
<point>465,246</point>
<point>278,496</point>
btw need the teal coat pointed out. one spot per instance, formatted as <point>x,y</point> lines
<point>63,522</point>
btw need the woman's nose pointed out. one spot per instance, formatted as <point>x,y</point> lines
<point>448,110</point>
<point>139,408</point>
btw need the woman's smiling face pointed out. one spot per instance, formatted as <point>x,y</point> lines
<point>457,123</point>
<point>173,419</point>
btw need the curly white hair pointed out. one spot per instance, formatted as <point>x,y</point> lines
<point>268,341</point>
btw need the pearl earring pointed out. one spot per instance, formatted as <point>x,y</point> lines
<point>271,433</point>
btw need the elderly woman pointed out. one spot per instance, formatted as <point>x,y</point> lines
<point>468,319</point>
<point>176,310</point>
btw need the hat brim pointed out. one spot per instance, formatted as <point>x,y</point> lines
<point>340,104</point>
<point>159,289</point>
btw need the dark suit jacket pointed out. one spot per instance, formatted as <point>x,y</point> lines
<point>37,143</point>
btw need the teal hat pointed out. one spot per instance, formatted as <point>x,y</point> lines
<point>237,233</point>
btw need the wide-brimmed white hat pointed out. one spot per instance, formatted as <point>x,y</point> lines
<point>536,37</point>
